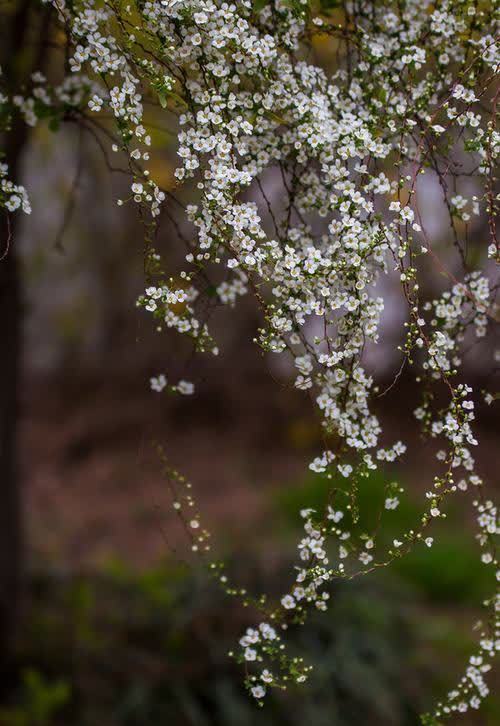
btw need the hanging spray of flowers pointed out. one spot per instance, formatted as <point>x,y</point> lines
<point>412,95</point>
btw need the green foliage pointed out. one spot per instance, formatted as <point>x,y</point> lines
<point>152,648</point>
<point>447,572</point>
<point>314,492</point>
<point>141,649</point>
<point>328,5</point>
<point>39,701</point>
<point>428,720</point>
<point>260,4</point>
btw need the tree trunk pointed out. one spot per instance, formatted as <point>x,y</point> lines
<point>10,505</point>
<point>17,63</point>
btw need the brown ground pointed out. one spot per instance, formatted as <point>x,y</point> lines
<point>93,485</point>
<point>92,482</point>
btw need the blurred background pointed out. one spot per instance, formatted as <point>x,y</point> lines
<point>104,620</point>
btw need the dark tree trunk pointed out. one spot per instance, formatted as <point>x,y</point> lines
<point>10,505</point>
<point>17,63</point>
<point>10,369</point>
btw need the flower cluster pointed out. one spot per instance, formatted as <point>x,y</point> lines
<point>409,100</point>
<point>12,196</point>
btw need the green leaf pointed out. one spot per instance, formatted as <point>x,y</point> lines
<point>211,291</point>
<point>54,124</point>
<point>329,4</point>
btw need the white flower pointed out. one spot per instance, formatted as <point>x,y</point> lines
<point>250,638</point>
<point>95,103</point>
<point>345,469</point>
<point>158,383</point>
<point>185,387</point>
<point>407,214</point>
<point>258,691</point>
<point>268,632</point>
<point>288,602</point>
<point>335,516</point>
<point>391,502</point>
<point>13,203</point>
